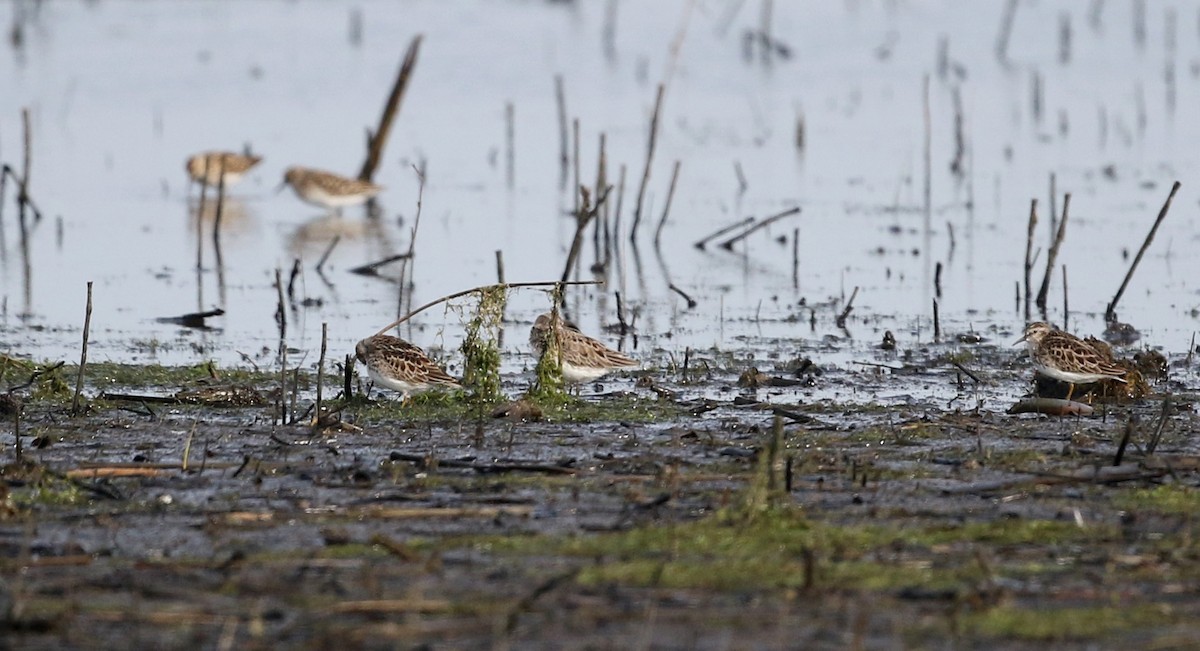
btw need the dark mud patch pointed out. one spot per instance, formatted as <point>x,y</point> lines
<point>650,517</point>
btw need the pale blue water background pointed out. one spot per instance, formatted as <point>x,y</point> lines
<point>121,92</point>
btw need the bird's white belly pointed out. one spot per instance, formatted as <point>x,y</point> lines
<point>404,388</point>
<point>322,198</point>
<point>577,374</point>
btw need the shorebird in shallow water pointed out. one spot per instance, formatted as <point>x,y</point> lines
<point>207,167</point>
<point>400,366</point>
<point>1067,358</point>
<point>583,358</point>
<point>327,189</point>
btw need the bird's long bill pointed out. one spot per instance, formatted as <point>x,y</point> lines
<point>279,188</point>
<point>1022,339</point>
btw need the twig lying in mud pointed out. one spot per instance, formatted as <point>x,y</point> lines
<point>700,243</point>
<point>966,372</point>
<point>1110,313</point>
<point>878,365</point>
<point>1094,475</point>
<point>526,602</point>
<point>1052,254</point>
<point>1029,254</point>
<point>666,208</point>
<point>371,268</point>
<point>407,513</point>
<point>641,195</point>
<point>841,319</point>
<point>691,302</point>
<point>728,244</point>
<point>111,472</point>
<point>1130,426</point>
<point>33,377</point>
<point>87,324</point>
<point>325,256</point>
<point>1051,406</point>
<point>481,288</point>
<point>1152,445</point>
<point>377,140</point>
<point>484,468</point>
<point>382,606</point>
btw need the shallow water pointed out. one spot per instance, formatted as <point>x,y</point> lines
<point>120,93</point>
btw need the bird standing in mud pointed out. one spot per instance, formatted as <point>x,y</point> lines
<point>583,358</point>
<point>1067,358</point>
<point>400,366</point>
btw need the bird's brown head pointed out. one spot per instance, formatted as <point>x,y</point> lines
<point>363,349</point>
<point>1035,332</point>
<point>537,334</point>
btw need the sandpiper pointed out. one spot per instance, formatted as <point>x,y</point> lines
<point>583,358</point>
<point>401,366</point>
<point>207,167</point>
<point>1067,358</point>
<point>327,189</point>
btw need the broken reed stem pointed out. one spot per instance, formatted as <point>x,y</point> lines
<point>585,215</point>
<point>575,158</point>
<point>741,177</point>
<point>728,244</point>
<point>281,321</point>
<point>937,280</point>
<point>937,325</point>
<point>600,224</point>
<point>481,288</point>
<point>1152,445</point>
<point>700,243</point>
<point>1029,254</point>
<point>499,267</point>
<point>560,97</point>
<point>87,325</point>
<point>1111,311</point>
<point>328,250</point>
<point>1006,24</point>
<point>378,139</point>
<point>510,145</point>
<point>841,319</point>
<point>412,237</point>
<point>26,161</point>
<point>641,195</point>
<point>667,208</point>
<point>1053,203</point>
<point>1052,255</point>
<point>347,377</point>
<point>691,302</point>
<point>321,370</point>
